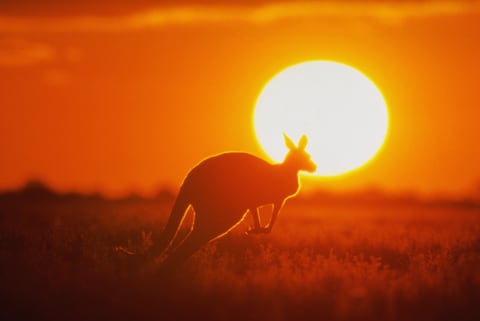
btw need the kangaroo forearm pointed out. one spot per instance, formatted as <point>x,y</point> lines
<point>256,218</point>
<point>273,219</point>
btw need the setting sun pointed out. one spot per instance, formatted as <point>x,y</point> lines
<point>340,109</point>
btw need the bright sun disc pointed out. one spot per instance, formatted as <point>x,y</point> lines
<point>341,111</point>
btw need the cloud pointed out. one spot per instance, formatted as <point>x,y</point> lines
<point>15,52</point>
<point>385,12</point>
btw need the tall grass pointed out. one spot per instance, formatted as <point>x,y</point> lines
<point>331,262</point>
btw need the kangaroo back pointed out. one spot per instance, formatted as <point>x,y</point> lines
<point>229,180</point>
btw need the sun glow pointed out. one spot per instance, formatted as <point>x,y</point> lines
<point>341,110</point>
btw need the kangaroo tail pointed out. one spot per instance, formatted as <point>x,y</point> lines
<point>174,221</point>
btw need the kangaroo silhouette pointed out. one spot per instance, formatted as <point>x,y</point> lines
<point>222,189</point>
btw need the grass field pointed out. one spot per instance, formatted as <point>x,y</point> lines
<point>332,261</point>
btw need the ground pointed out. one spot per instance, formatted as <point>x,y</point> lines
<point>323,260</point>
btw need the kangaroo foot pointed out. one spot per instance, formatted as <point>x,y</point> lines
<point>258,230</point>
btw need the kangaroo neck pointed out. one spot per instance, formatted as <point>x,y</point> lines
<point>288,170</point>
<point>287,177</point>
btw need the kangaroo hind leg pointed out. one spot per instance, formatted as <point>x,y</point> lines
<point>205,229</point>
<point>193,242</point>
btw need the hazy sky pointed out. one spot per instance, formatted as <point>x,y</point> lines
<point>127,95</point>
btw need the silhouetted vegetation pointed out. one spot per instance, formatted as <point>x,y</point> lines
<point>327,260</point>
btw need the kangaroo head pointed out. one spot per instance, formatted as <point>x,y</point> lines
<point>297,157</point>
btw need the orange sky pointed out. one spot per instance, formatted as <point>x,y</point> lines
<point>119,97</point>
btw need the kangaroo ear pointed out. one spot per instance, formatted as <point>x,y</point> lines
<point>302,143</point>
<point>290,144</point>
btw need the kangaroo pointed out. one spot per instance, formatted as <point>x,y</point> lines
<point>222,189</point>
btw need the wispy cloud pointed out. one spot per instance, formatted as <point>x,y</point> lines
<point>385,12</point>
<point>17,52</point>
